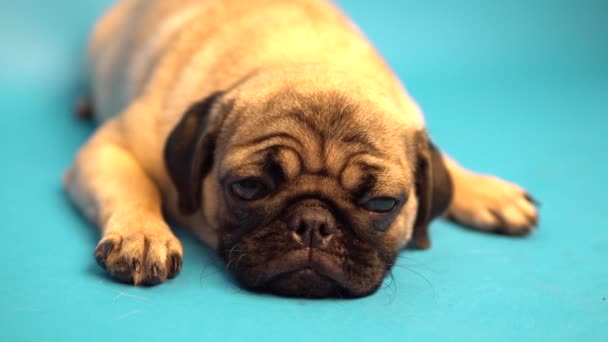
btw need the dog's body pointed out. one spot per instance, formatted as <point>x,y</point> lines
<point>241,118</point>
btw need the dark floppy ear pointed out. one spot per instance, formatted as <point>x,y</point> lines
<point>190,148</point>
<point>434,189</point>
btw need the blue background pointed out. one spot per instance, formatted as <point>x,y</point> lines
<point>518,88</point>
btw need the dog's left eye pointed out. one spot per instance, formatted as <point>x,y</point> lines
<point>380,204</point>
<point>248,189</point>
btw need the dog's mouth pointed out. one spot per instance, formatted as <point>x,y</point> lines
<point>305,282</point>
<point>303,273</point>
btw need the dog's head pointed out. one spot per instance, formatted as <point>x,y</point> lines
<point>312,183</point>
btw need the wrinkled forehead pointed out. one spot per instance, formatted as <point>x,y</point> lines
<point>327,113</point>
<point>314,87</point>
<point>310,111</point>
<point>330,132</point>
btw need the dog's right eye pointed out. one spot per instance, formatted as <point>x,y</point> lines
<point>380,204</point>
<point>248,189</point>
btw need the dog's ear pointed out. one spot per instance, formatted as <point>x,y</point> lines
<point>190,149</point>
<point>434,188</point>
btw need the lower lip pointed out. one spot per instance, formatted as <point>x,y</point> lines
<point>300,262</point>
<point>310,273</point>
<point>306,271</point>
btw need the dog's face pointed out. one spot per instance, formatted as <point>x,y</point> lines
<point>312,190</point>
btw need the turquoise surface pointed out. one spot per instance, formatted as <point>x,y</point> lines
<point>517,88</point>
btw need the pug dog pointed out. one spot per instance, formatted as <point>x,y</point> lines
<point>276,133</point>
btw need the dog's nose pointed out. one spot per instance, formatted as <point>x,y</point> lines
<point>312,226</point>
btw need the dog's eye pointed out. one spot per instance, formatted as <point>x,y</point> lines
<point>380,204</point>
<point>248,189</point>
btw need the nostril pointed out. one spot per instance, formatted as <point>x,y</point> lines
<point>324,229</point>
<point>301,230</point>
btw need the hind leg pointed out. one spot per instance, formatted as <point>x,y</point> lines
<point>490,204</point>
<point>83,109</point>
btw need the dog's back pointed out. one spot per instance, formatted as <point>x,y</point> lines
<point>178,51</point>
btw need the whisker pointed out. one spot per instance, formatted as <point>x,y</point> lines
<point>237,259</point>
<point>392,284</point>
<point>234,248</point>
<point>236,289</point>
<point>416,263</point>
<point>257,280</point>
<point>419,275</point>
<point>407,258</point>
<point>210,274</point>
<point>339,293</point>
<point>200,280</point>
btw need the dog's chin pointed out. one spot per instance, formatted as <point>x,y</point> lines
<point>306,283</point>
<point>307,274</point>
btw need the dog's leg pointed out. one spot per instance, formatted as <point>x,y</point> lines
<point>84,108</point>
<point>110,187</point>
<point>489,204</point>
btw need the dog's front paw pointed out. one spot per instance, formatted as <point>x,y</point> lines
<point>491,204</point>
<point>143,256</point>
